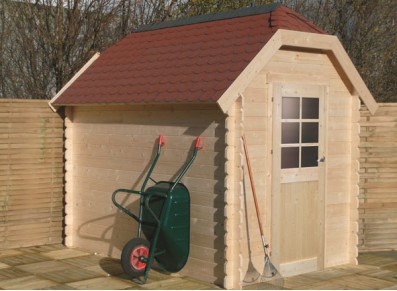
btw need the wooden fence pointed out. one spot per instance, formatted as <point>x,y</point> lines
<point>378,179</point>
<point>31,174</point>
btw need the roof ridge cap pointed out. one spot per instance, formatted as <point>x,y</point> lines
<point>242,12</point>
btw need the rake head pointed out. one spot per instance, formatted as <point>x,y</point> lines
<point>271,278</point>
<point>269,271</point>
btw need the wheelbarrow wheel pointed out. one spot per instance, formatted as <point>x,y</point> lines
<point>134,257</point>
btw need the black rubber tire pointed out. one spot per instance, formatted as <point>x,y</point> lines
<point>129,248</point>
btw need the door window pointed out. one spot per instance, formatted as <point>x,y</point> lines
<point>299,132</point>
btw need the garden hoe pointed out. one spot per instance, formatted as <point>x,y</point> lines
<point>269,271</point>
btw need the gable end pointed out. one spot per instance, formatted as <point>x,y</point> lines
<point>299,40</point>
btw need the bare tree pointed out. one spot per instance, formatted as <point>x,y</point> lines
<point>4,36</point>
<point>136,13</point>
<point>2,41</point>
<point>53,39</point>
<point>199,7</point>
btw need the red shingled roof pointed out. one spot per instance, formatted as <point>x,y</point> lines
<point>181,61</point>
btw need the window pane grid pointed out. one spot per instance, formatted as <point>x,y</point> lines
<point>299,149</point>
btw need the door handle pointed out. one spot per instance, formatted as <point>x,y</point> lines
<point>321,160</point>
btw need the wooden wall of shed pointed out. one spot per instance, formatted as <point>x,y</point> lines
<point>342,153</point>
<point>31,174</point>
<point>378,185</point>
<point>112,147</point>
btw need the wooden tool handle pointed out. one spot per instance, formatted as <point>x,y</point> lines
<point>252,186</point>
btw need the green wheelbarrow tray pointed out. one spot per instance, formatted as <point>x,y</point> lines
<point>164,219</point>
<point>174,236</point>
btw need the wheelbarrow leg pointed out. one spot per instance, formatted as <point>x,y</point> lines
<point>153,244</point>
<point>151,258</point>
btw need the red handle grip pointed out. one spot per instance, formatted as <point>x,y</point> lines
<point>161,140</point>
<point>197,145</point>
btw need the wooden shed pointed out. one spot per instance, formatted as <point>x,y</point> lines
<point>265,72</point>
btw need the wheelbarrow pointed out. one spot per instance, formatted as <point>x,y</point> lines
<point>164,219</point>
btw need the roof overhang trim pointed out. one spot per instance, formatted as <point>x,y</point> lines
<point>300,40</point>
<point>71,81</point>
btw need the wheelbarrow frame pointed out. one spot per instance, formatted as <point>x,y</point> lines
<point>145,199</point>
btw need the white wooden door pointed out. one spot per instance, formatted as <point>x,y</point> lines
<point>298,178</point>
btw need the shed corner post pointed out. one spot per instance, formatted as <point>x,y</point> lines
<point>355,181</point>
<point>68,200</point>
<point>233,182</point>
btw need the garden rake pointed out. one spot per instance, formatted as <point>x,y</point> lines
<point>269,271</point>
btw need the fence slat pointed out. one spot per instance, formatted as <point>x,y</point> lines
<point>31,174</point>
<point>378,183</point>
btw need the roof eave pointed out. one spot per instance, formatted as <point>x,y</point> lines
<point>299,40</point>
<point>55,107</point>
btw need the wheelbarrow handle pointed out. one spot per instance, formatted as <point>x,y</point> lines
<point>188,164</point>
<point>161,140</point>
<point>160,144</point>
<point>197,145</point>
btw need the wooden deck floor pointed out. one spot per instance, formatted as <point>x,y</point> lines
<point>57,267</point>
<point>54,267</point>
<point>375,271</point>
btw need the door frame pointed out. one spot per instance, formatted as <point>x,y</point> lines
<point>322,90</point>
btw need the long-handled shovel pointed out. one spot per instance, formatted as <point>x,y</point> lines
<point>269,270</point>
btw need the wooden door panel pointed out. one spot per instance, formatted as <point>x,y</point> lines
<point>298,183</point>
<point>299,221</point>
